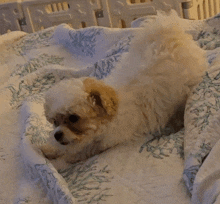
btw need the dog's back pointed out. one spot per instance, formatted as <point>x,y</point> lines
<point>161,67</point>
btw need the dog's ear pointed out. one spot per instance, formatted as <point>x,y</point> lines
<point>103,95</point>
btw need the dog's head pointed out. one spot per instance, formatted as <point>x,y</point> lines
<point>79,109</point>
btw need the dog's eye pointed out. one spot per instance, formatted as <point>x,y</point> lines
<point>55,122</point>
<point>74,118</point>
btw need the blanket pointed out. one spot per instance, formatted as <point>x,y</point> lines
<point>167,167</point>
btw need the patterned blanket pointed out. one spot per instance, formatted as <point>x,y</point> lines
<point>169,167</point>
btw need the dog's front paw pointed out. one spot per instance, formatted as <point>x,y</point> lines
<point>50,152</point>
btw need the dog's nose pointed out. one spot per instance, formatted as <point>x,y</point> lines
<point>58,135</point>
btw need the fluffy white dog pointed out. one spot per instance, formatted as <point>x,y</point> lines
<point>141,95</point>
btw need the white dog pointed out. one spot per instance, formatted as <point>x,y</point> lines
<point>141,95</point>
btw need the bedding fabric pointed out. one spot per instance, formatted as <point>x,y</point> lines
<point>171,167</point>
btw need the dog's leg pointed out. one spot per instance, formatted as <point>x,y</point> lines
<point>50,152</point>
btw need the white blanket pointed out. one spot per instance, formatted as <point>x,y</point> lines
<point>149,170</point>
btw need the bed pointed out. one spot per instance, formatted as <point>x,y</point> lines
<point>168,167</point>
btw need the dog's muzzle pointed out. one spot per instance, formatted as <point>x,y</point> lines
<point>59,136</point>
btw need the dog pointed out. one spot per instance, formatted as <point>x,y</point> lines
<point>141,94</point>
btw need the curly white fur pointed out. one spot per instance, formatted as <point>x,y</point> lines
<point>153,80</point>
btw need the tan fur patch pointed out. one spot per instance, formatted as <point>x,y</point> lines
<point>107,94</point>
